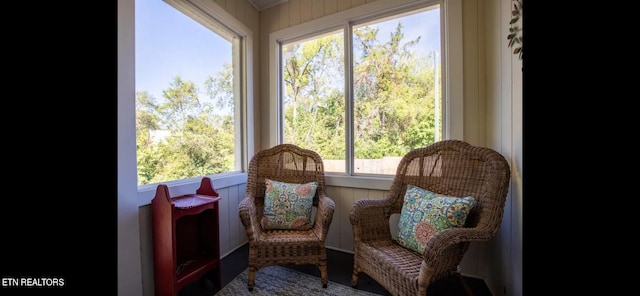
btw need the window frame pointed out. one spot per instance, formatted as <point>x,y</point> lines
<point>214,17</point>
<point>451,61</point>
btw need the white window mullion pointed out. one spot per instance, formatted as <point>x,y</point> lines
<point>348,96</point>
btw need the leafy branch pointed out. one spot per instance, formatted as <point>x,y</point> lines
<point>515,32</point>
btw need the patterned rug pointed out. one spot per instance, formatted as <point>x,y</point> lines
<point>277,280</point>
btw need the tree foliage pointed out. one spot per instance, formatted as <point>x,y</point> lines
<point>185,136</point>
<point>394,95</point>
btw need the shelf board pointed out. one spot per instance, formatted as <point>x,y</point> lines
<point>189,201</point>
<point>195,269</point>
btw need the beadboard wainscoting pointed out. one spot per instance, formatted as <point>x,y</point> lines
<point>232,234</point>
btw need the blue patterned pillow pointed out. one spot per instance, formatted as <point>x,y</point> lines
<point>288,205</point>
<point>424,213</point>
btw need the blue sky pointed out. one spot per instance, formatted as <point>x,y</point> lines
<point>168,43</point>
<point>426,24</point>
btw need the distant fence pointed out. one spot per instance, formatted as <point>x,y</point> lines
<point>386,165</point>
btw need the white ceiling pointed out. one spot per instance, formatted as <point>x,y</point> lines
<point>264,4</point>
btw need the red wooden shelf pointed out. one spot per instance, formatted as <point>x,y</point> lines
<point>186,244</point>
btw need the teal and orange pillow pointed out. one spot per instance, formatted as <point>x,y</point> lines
<point>424,213</point>
<point>288,205</point>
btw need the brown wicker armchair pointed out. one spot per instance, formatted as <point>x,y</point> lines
<point>291,164</point>
<point>449,167</point>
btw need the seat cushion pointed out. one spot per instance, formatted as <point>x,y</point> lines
<point>288,205</point>
<point>424,213</point>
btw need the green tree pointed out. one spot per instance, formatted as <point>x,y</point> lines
<point>147,120</point>
<point>314,96</point>
<point>393,95</point>
<point>195,137</point>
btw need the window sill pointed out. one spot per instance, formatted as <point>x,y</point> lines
<point>188,186</point>
<point>147,192</point>
<point>364,182</point>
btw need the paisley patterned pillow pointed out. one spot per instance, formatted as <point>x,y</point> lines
<point>288,205</point>
<point>424,213</point>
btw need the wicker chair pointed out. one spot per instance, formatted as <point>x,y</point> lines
<point>448,167</point>
<point>291,164</point>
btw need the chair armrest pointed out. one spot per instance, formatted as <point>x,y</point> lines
<point>247,212</point>
<point>324,216</point>
<point>370,220</point>
<point>445,240</point>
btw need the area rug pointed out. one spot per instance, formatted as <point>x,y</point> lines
<point>277,280</point>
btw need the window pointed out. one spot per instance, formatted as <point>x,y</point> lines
<point>188,92</point>
<point>365,90</point>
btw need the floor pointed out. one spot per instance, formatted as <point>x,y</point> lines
<point>340,266</point>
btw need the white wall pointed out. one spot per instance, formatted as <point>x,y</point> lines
<point>501,93</point>
<point>129,264</point>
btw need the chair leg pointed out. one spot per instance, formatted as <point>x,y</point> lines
<point>251,278</point>
<point>354,276</point>
<point>356,268</point>
<point>323,274</point>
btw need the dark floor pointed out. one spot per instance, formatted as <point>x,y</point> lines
<point>340,265</point>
